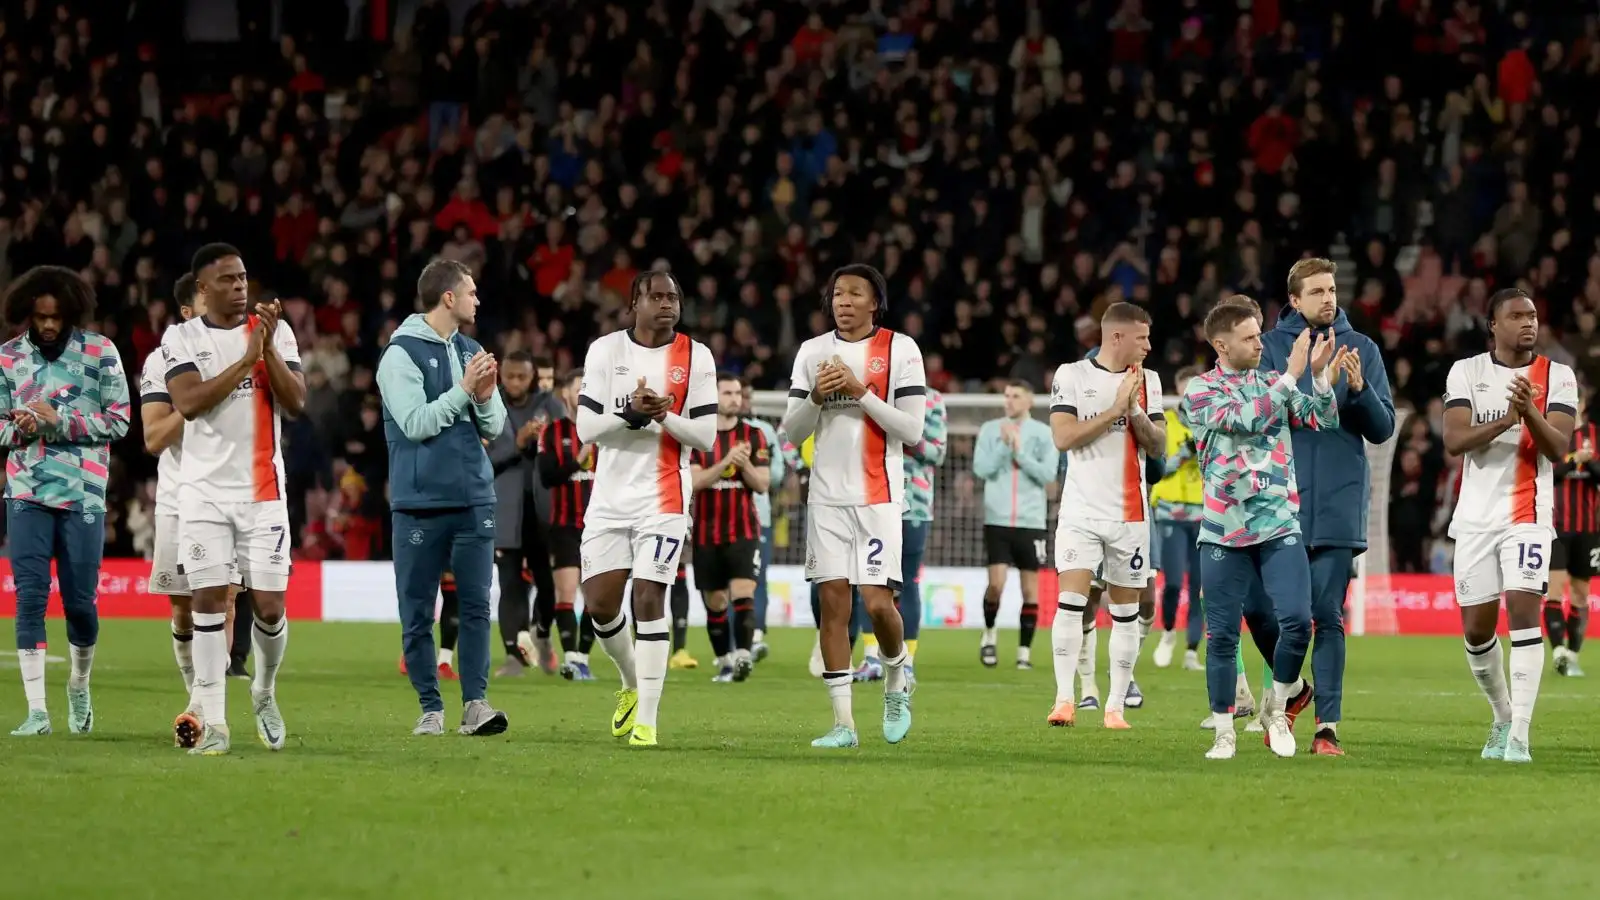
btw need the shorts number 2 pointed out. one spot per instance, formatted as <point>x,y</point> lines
<point>874,552</point>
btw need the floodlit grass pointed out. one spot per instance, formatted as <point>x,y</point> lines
<point>981,801</point>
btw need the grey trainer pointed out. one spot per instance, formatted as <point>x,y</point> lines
<point>479,718</point>
<point>430,723</point>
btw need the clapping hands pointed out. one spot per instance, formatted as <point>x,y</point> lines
<point>648,403</point>
<point>835,377</point>
<point>1520,396</point>
<point>480,377</point>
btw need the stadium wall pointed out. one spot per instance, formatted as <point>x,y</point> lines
<point>952,597</point>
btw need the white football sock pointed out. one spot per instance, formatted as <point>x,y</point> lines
<point>1144,628</point>
<point>1285,691</point>
<point>1527,666</point>
<point>1089,661</point>
<point>211,667</point>
<point>1089,654</point>
<point>989,638</point>
<point>270,641</point>
<point>1124,647</point>
<point>1488,665</point>
<point>759,636</point>
<point>894,671</point>
<point>619,647</point>
<point>82,665</point>
<point>839,693</point>
<point>32,664</point>
<point>446,656</point>
<point>1024,654</point>
<point>651,660</point>
<point>1222,721</point>
<point>183,652</point>
<point>1066,639</point>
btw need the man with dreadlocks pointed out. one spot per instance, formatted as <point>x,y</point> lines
<point>861,389</point>
<point>649,394</point>
<point>68,399</point>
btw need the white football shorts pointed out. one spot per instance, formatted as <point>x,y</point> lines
<point>1490,563</point>
<point>1119,551</point>
<point>650,549</point>
<point>859,544</point>
<point>215,540</point>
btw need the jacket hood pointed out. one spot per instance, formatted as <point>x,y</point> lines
<point>1291,320</point>
<point>416,326</point>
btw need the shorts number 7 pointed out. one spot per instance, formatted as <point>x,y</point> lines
<point>672,551</point>
<point>281,533</point>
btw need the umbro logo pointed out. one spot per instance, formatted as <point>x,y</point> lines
<point>488,523</point>
<point>1480,387</point>
<point>1089,392</point>
<point>433,364</point>
<point>203,355</point>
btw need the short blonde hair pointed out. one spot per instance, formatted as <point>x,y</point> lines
<point>1305,268</point>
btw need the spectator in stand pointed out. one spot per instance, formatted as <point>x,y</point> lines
<point>556,152</point>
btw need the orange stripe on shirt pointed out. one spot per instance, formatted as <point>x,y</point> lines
<point>263,443</point>
<point>1525,487</point>
<point>669,456</point>
<point>875,443</point>
<point>1133,468</point>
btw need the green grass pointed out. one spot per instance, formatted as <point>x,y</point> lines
<point>982,799</point>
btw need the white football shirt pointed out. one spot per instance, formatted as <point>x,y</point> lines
<point>153,389</point>
<point>1507,481</point>
<point>1105,477</point>
<point>644,472</point>
<point>854,462</point>
<point>234,453</point>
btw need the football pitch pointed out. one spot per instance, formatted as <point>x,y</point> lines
<point>982,800</point>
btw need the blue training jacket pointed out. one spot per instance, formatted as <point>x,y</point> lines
<point>1330,467</point>
<point>434,429</point>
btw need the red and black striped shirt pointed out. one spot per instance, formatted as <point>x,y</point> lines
<point>566,467</point>
<point>1578,485</point>
<point>725,512</point>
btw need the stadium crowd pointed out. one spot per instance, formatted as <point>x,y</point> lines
<point>1012,167</point>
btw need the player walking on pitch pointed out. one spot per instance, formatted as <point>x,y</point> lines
<point>1106,414</point>
<point>727,532</point>
<point>648,393</point>
<point>233,377</point>
<point>68,400</point>
<point>566,469</point>
<point>439,407</point>
<point>163,438</point>
<point>1251,543</point>
<point>1510,413</point>
<point>763,501</point>
<point>1332,474</point>
<point>1575,558</point>
<point>1016,461</point>
<point>860,388</point>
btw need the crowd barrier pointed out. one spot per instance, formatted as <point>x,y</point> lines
<point>951,597</point>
